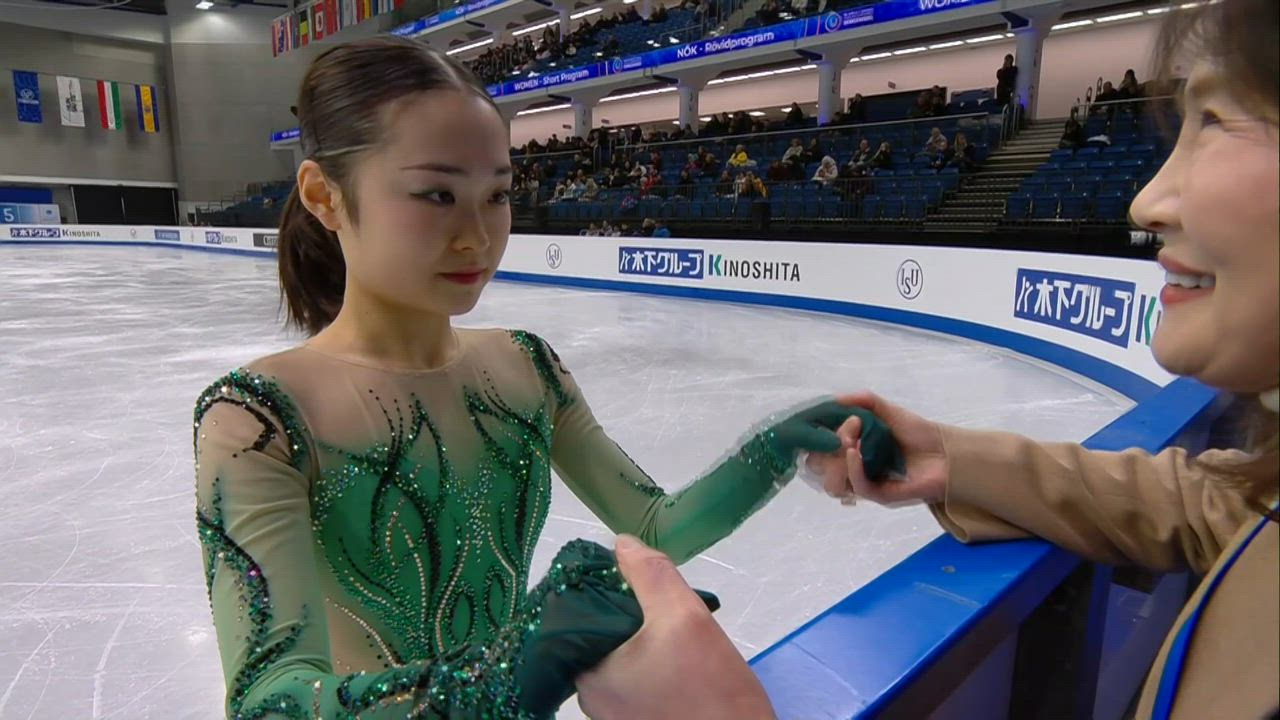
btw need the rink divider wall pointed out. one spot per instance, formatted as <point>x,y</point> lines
<point>942,633</point>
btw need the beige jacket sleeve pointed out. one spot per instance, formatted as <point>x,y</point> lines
<point>1126,508</point>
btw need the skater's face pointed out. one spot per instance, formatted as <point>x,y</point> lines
<point>1216,203</point>
<point>433,198</point>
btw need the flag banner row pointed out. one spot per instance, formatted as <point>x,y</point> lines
<point>321,19</point>
<point>71,102</point>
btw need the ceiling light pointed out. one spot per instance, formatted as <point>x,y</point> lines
<point>204,5</point>
<point>639,93</point>
<point>876,56</point>
<point>1157,11</point>
<point>472,46</point>
<point>672,40</point>
<point>585,13</point>
<point>1121,16</point>
<point>756,113</point>
<point>675,122</point>
<point>909,51</point>
<point>854,60</point>
<point>704,119</point>
<point>943,46</point>
<point>1072,24</point>
<point>984,38</point>
<point>549,108</point>
<point>533,28</point>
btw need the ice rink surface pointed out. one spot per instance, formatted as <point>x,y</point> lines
<point>103,611</point>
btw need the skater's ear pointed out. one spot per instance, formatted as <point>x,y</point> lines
<point>322,198</point>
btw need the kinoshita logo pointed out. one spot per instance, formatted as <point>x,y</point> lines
<point>737,268</point>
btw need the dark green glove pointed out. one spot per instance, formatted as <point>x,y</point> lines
<point>581,611</point>
<point>813,430</point>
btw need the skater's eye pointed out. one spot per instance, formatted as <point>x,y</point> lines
<point>502,197</point>
<point>435,197</point>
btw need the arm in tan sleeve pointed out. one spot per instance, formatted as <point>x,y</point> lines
<point>1120,508</point>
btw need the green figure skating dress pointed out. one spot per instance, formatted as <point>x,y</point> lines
<point>367,533</point>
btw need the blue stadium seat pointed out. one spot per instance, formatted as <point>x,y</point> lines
<point>1074,206</point>
<point>1044,206</point>
<point>926,172</point>
<point>870,207</point>
<point>1131,165</point>
<point>1017,206</point>
<point>1088,153</point>
<point>1061,155</point>
<point>831,206</point>
<point>886,186</point>
<point>812,207</point>
<point>1102,166</point>
<point>1116,183</point>
<point>695,209</point>
<point>1110,206</point>
<point>917,206</point>
<point>893,207</point>
<point>724,209</point>
<point>1058,185</point>
<point>1087,183</point>
<point>1075,166</point>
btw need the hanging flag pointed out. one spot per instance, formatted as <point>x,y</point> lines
<point>368,8</point>
<point>332,18</point>
<point>293,32</point>
<point>109,104</point>
<point>348,12</point>
<point>70,101</point>
<point>304,27</point>
<point>319,20</point>
<point>26,89</point>
<point>148,112</point>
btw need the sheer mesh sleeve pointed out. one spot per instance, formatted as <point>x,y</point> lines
<point>680,524</point>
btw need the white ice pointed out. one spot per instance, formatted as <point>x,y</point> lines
<point>103,612</point>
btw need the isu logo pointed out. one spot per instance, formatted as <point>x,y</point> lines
<point>910,279</point>
<point>555,256</point>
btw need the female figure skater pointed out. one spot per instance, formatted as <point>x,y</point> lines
<point>369,502</point>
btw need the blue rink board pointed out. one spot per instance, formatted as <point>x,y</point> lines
<point>855,659</point>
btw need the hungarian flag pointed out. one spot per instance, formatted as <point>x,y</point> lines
<point>109,104</point>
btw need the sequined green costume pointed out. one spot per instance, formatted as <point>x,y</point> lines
<point>368,533</point>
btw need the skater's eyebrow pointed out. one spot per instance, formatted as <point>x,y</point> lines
<point>453,169</point>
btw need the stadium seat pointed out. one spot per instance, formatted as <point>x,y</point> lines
<point>1074,205</point>
<point>1110,206</point>
<point>1044,206</point>
<point>893,207</point>
<point>1017,206</point>
<point>917,206</point>
<point>870,207</point>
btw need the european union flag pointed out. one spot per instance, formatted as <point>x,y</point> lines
<point>26,87</point>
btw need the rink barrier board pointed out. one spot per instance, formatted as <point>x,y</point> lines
<point>934,633</point>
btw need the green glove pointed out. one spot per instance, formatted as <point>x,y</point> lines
<point>582,612</point>
<point>813,430</point>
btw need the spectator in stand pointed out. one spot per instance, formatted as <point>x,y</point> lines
<point>779,172</point>
<point>758,188</point>
<point>592,189</point>
<point>1072,135</point>
<point>938,101</point>
<point>827,173</point>
<point>1129,87</point>
<point>742,123</point>
<point>1006,80</point>
<point>710,163</point>
<point>647,227</point>
<point>611,46</point>
<point>860,164</point>
<point>923,107</point>
<point>684,185</point>
<point>934,145</point>
<point>769,13</point>
<point>883,159</point>
<point>813,152</point>
<point>714,127</point>
<point>593,230</point>
<point>943,155</point>
<point>793,159</point>
<point>857,111</point>
<point>727,185</point>
<point>795,116</point>
<point>963,156</point>
<point>660,229</point>
<point>740,159</point>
